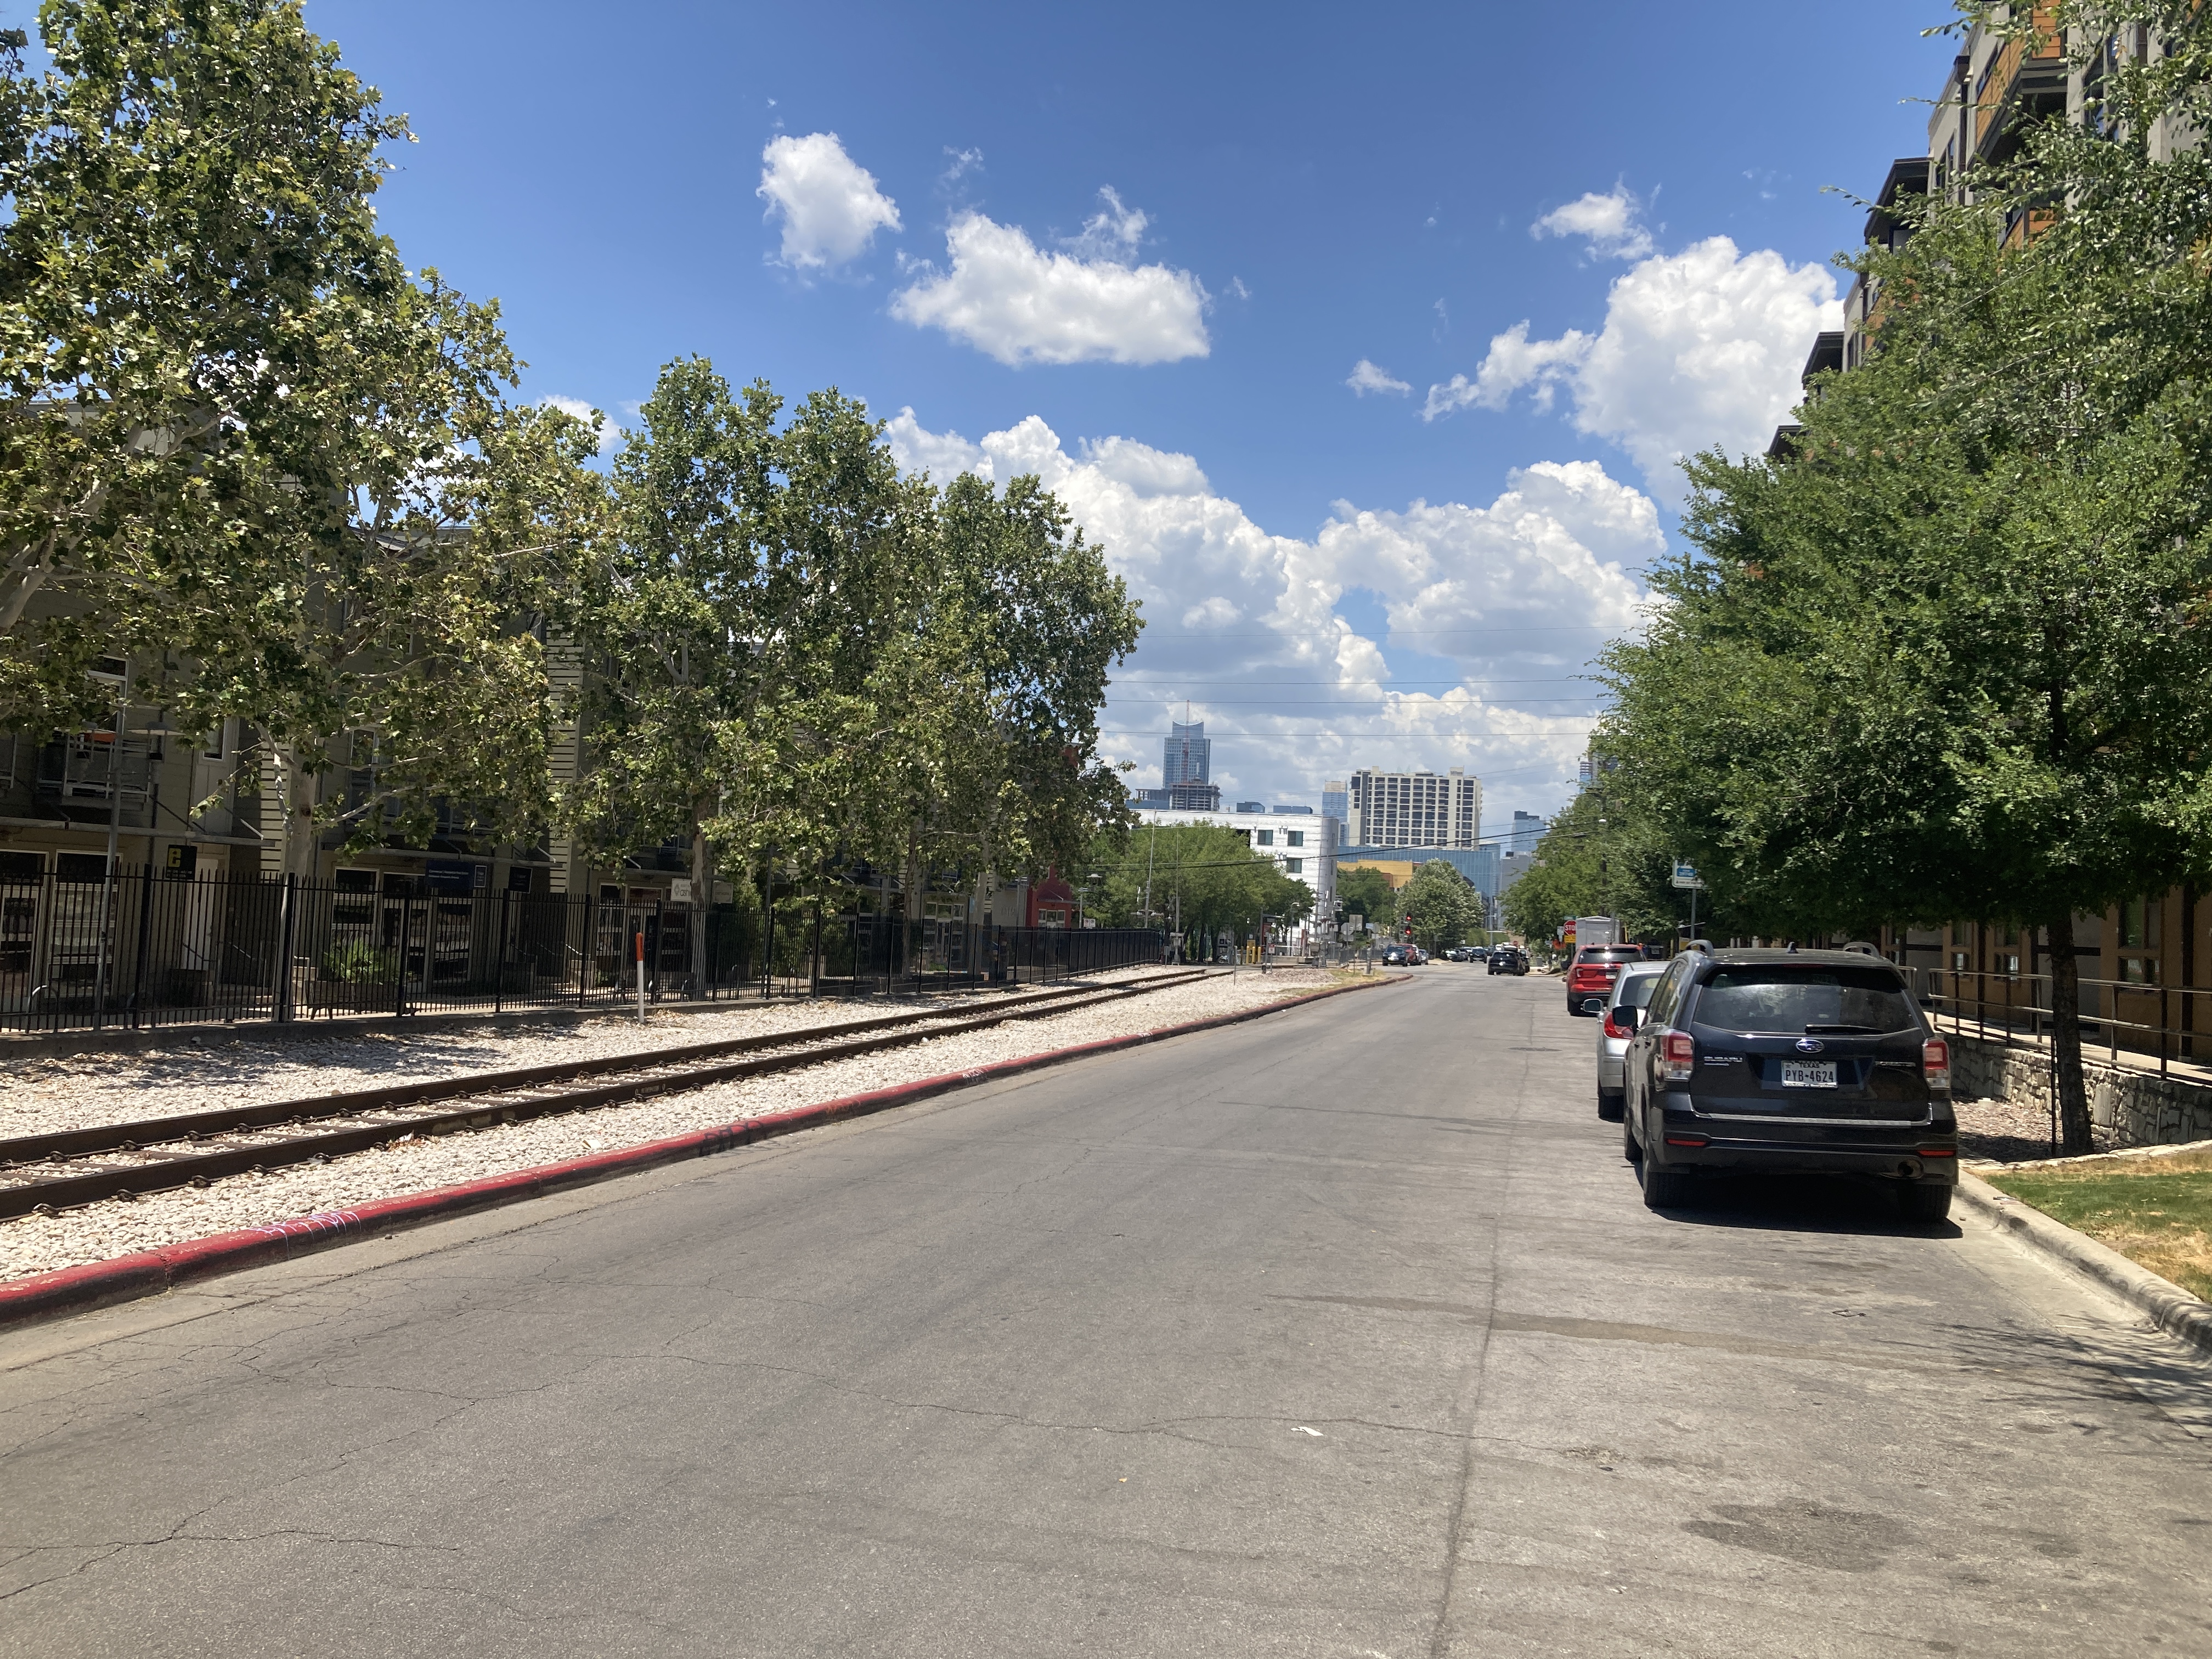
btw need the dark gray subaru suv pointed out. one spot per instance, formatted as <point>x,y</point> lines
<point>1790,1061</point>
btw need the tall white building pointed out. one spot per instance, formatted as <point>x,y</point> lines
<point>1414,809</point>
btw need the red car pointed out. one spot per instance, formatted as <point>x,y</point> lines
<point>1590,980</point>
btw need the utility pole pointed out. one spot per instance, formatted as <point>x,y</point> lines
<point>1152,845</point>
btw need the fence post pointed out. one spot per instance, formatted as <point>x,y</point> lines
<point>145,939</point>
<point>286,928</point>
<point>2161,1029</point>
<point>814,973</point>
<point>499,973</point>
<point>406,927</point>
<point>660,942</point>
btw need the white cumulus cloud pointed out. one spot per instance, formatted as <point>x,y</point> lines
<point>1608,223</point>
<point>1021,304</point>
<point>829,204</point>
<point>1700,347</point>
<point>1366,377</point>
<point>611,435</point>
<point>1245,623</point>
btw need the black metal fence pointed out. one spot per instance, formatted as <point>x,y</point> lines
<point>879,954</point>
<point>153,947</point>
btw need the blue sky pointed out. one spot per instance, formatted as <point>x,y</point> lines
<point>1294,191</point>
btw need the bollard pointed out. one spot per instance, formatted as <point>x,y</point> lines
<point>641,976</point>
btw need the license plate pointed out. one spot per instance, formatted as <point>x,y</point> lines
<point>1809,1073</point>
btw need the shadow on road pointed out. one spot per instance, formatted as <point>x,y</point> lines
<point>1803,1203</point>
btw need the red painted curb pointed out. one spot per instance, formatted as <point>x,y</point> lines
<point>150,1272</point>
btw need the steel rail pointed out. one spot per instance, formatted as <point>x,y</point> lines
<point>161,1153</point>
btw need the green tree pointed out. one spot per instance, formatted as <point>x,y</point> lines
<point>239,440</point>
<point>1204,878</point>
<point>1366,892</point>
<point>1952,658</point>
<point>1444,906</point>
<point>793,656</point>
<point>1603,854</point>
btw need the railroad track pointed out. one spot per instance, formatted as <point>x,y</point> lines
<point>46,1173</point>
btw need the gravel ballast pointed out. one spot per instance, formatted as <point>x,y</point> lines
<point>90,1089</point>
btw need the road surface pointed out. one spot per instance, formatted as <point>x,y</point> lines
<point>1343,1332</point>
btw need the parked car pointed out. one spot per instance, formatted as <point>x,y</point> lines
<point>1509,959</point>
<point>1394,955</point>
<point>1478,953</point>
<point>1789,1062</point>
<point>1589,979</point>
<point>1415,956</point>
<point>1624,1010</point>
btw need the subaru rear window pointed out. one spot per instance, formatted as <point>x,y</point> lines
<point>1789,999</point>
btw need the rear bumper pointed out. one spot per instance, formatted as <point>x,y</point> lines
<point>1901,1161</point>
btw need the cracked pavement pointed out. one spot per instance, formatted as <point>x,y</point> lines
<point>1342,1332</point>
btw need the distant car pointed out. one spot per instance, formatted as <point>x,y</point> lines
<point>1509,959</point>
<point>1624,1010</point>
<point>1589,980</point>
<point>1394,955</point>
<point>1415,956</point>
<point>1789,1062</point>
<point>1478,952</point>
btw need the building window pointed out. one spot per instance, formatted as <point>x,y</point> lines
<point>1294,866</point>
<point>1294,838</point>
<point>2139,922</point>
<point>1266,838</point>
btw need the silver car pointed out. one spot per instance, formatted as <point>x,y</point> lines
<point>1624,1009</point>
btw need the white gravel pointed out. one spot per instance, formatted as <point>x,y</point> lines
<point>208,1071</point>
<point>182,1081</point>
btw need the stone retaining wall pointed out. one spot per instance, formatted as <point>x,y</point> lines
<point>2140,1109</point>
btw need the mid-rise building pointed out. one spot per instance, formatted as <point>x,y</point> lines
<point>1413,809</point>
<point>1303,850</point>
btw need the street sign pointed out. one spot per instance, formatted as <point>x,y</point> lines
<point>1686,875</point>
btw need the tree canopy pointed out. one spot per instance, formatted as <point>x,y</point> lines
<point>1202,879</point>
<point>1949,657</point>
<point>242,446</point>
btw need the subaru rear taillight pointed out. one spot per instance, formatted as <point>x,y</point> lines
<point>1935,1065</point>
<point>1678,1056</point>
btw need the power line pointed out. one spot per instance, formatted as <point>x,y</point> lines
<point>1313,702</point>
<point>1390,634</point>
<point>1548,679</point>
<point>1264,736</point>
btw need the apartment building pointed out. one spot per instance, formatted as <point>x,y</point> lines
<point>1413,809</point>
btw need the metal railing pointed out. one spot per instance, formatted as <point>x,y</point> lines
<point>877,955</point>
<point>2171,1025</point>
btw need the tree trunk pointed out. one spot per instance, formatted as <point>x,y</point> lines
<point>296,786</point>
<point>2074,1137</point>
<point>702,900</point>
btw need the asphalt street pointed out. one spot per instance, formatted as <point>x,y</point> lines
<point>1342,1332</point>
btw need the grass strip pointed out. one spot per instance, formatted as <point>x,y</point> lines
<point>2156,1211</point>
